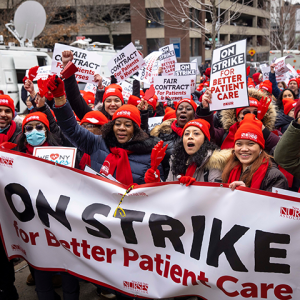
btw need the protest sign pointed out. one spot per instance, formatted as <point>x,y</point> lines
<point>265,71</point>
<point>126,89</point>
<point>106,81</point>
<point>87,62</point>
<point>168,60</point>
<point>90,87</point>
<point>228,81</point>
<point>188,70</point>
<point>152,122</point>
<point>280,65</point>
<point>173,87</point>
<point>43,73</point>
<point>220,244</point>
<point>146,73</point>
<point>285,192</point>
<point>65,156</point>
<point>292,71</point>
<point>196,62</point>
<point>127,62</point>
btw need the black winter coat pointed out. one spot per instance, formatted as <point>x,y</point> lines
<point>283,121</point>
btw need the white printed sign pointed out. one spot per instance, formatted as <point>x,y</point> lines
<point>152,122</point>
<point>196,62</point>
<point>168,60</point>
<point>187,70</point>
<point>90,87</point>
<point>285,192</point>
<point>175,88</point>
<point>87,62</point>
<point>43,73</point>
<point>127,62</point>
<point>280,65</point>
<point>220,244</point>
<point>106,81</point>
<point>265,71</point>
<point>126,89</point>
<point>228,81</point>
<point>292,71</point>
<point>65,156</point>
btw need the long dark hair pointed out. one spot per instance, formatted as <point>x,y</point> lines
<point>279,99</point>
<point>52,140</point>
<point>106,114</point>
<point>180,157</point>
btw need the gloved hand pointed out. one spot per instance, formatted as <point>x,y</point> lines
<point>24,79</point>
<point>187,180</point>
<point>152,176</point>
<point>263,107</point>
<point>32,72</point>
<point>56,86</point>
<point>157,155</point>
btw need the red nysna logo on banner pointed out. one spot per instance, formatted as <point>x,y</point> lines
<point>136,286</point>
<point>290,213</point>
<point>6,161</point>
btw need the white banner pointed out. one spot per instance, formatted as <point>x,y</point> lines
<point>220,244</point>
<point>280,65</point>
<point>152,122</point>
<point>187,69</point>
<point>127,62</point>
<point>43,73</point>
<point>228,81</point>
<point>87,62</point>
<point>168,60</point>
<point>126,89</point>
<point>265,71</point>
<point>175,88</point>
<point>91,87</point>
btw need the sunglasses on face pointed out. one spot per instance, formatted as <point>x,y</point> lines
<point>245,112</point>
<point>29,128</point>
<point>88,126</point>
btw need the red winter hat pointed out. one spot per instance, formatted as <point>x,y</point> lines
<point>250,129</point>
<point>267,85</point>
<point>298,71</point>
<point>170,113</point>
<point>252,102</point>
<point>200,87</point>
<point>36,116</point>
<point>128,111</point>
<point>201,124</point>
<point>251,83</point>
<point>153,102</point>
<point>255,77</point>
<point>133,100</point>
<point>207,72</point>
<point>288,104</point>
<point>293,79</point>
<point>94,117</point>
<point>192,102</point>
<point>142,94</point>
<point>32,72</point>
<point>114,86</point>
<point>206,84</point>
<point>113,91</point>
<point>89,97</point>
<point>5,100</point>
<point>77,119</point>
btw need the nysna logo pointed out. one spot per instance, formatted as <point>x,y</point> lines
<point>136,286</point>
<point>196,123</point>
<point>124,113</point>
<point>3,101</point>
<point>290,213</point>
<point>253,102</point>
<point>110,90</point>
<point>105,168</point>
<point>6,161</point>
<point>249,135</point>
<point>33,118</point>
<point>92,120</point>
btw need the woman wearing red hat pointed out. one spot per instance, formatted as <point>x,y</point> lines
<point>249,164</point>
<point>286,116</point>
<point>194,157</point>
<point>122,151</point>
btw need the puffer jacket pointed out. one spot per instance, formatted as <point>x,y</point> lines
<point>228,118</point>
<point>98,149</point>
<point>283,121</point>
<point>211,168</point>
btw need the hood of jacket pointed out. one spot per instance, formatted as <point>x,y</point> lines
<point>163,128</point>
<point>218,159</point>
<point>228,117</point>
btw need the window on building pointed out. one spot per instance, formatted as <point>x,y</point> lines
<point>154,18</point>
<point>194,47</point>
<point>154,44</point>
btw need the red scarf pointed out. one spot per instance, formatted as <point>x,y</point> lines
<point>191,170</point>
<point>229,140</point>
<point>5,137</point>
<point>257,177</point>
<point>288,176</point>
<point>29,148</point>
<point>176,129</point>
<point>118,159</point>
<point>85,160</point>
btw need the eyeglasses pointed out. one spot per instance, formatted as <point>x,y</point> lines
<point>88,126</point>
<point>29,128</point>
<point>245,112</point>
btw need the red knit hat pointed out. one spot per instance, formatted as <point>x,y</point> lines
<point>255,77</point>
<point>5,100</point>
<point>201,124</point>
<point>128,111</point>
<point>192,102</point>
<point>207,72</point>
<point>113,91</point>
<point>206,84</point>
<point>288,104</point>
<point>36,116</point>
<point>170,113</point>
<point>94,117</point>
<point>252,102</point>
<point>134,100</point>
<point>251,83</point>
<point>89,97</point>
<point>298,71</point>
<point>267,86</point>
<point>114,86</point>
<point>293,79</point>
<point>77,119</point>
<point>142,94</point>
<point>200,87</point>
<point>153,101</point>
<point>250,129</point>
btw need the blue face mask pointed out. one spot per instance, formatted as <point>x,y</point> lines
<point>35,138</point>
<point>204,89</point>
<point>30,108</point>
<point>281,89</point>
<point>3,129</point>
